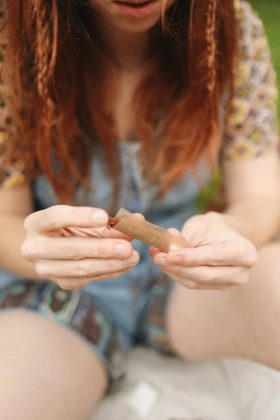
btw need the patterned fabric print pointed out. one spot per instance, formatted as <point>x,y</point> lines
<point>251,129</point>
<point>156,326</point>
<point>74,309</point>
<point>10,177</point>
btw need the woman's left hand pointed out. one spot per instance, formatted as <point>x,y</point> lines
<point>220,257</point>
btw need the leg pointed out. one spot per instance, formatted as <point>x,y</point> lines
<point>46,371</point>
<point>240,322</point>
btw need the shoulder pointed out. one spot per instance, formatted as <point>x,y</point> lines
<point>251,125</point>
<point>252,41</point>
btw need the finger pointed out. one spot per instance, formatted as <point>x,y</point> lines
<point>57,217</point>
<point>101,232</point>
<point>154,251</point>
<point>200,286</point>
<point>78,283</point>
<point>73,248</point>
<point>208,274</point>
<point>243,254</point>
<point>83,268</point>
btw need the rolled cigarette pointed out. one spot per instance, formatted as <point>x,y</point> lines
<point>151,234</point>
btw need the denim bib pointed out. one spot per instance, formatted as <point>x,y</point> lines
<point>128,294</point>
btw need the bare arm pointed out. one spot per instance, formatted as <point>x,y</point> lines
<point>15,205</point>
<point>250,149</point>
<point>253,197</point>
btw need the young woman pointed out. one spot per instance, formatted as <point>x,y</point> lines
<point>133,104</point>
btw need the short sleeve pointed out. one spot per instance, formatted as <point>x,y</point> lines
<point>10,176</point>
<point>251,127</point>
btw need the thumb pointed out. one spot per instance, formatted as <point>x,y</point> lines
<point>195,229</point>
<point>62,216</point>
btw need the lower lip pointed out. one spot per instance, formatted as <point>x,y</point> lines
<point>138,12</point>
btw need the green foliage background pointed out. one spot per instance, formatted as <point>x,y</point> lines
<point>269,11</point>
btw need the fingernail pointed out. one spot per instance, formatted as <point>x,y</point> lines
<point>121,250</point>
<point>132,263</point>
<point>134,259</point>
<point>99,217</point>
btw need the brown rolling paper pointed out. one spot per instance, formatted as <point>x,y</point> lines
<point>154,235</point>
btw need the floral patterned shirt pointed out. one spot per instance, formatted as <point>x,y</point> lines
<point>251,126</point>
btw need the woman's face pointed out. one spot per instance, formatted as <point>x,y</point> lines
<point>132,16</point>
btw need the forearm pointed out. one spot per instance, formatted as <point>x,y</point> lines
<point>257,219</point>
<point>11,239</point>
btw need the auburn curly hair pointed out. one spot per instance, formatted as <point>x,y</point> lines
<point>60,112</point>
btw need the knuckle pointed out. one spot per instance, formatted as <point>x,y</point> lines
<point>208,277</point>
<point>241,282</point>
<point>108,276</point>
<point>247,254</point>
<point>54,213</point>
<point>180,272</point>
<point>28,251</point>
<point>61,285</point>
<point>83,269</point>
<point>252,257</point>
<point>118,274</point>
<point>98,251</point>
<point>54,209</point>
<point>198,222</point>
<point>41,270</point>
<point>114,267</point>
<point>219,258</point>
<point>115,275</point>
<point>24,250</point>
<point>243,278</point>
<point>193,221</point>
<point>27,222</point>
<point>49,216</point>
<point>209,280</point>
<point>33,248</point>
<point>241,250</point>
<point>191,260</point>
<point>65,286</point>
<point>133,260</point>
<point>191,285</point>
<point>70,252</point>
<point>75,211</point>
<point>73,285</point>
<point>217,281</point>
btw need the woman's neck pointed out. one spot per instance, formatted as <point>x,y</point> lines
<point>129,51</point>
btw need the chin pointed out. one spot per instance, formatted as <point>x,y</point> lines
<point>134,27</point>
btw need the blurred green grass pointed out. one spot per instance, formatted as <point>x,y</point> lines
<point>269,12</point>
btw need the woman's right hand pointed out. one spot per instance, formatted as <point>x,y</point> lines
<point>74,261</point>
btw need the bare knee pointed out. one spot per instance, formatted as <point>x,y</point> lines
<point>185,325</point>
<point>239,322</point>
<point>46,372</point>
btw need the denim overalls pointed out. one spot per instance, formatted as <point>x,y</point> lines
<point>126,299</point>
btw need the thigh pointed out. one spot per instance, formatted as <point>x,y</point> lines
<point>59,351</point>
<point>46,371</point>
<point>242,321</point>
